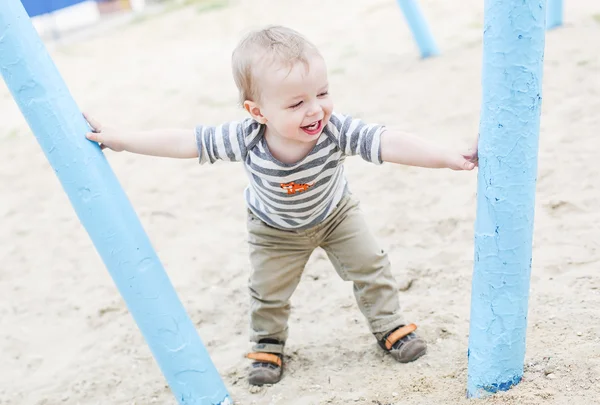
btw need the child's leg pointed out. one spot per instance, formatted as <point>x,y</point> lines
<point>357,257</point>
<point>278,259</point>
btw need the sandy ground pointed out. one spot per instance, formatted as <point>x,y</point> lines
<point>65,334</point>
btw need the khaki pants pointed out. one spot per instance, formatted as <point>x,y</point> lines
<point>278,258</point>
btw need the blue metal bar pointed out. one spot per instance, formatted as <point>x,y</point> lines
<point>104,210</point>
<point>419,28</point>
<point>554,15</point>
<point>513,49</point>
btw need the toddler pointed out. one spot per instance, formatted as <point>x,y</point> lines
<point>293,146</point>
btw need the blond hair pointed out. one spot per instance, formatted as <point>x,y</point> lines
<point>279,44</point>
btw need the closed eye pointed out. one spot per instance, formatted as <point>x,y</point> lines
<point>298,104</point>
<point>325,93</point>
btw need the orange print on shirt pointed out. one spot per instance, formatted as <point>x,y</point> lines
<point>293,188</point>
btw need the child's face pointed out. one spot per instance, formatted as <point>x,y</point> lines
<point>294,104</point>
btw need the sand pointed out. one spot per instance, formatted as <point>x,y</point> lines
<point>66,336</point>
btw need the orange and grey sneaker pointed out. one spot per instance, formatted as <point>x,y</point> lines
<point>403,344</point>
<point>267,366</point>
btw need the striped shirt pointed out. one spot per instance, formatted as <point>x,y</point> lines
<point>299,195</point>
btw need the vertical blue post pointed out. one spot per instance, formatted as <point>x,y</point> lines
<point>419,28</point>
<point>554,15</point>
<point>104,210</point>
<point>513,52</point>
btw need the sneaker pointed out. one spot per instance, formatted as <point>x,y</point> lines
<point>403,344</point>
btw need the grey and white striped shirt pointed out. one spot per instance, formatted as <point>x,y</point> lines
<point>299,195</point>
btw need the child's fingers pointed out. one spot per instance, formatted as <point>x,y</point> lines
<point>94,136</point>
<point>468,164</point>
<point>463,164</point>
<point>471,157</point>
<point>96,127</point>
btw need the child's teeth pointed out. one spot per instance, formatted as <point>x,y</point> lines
<point>312,126</point>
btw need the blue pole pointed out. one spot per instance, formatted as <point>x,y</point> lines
<point>554,16</point>
<point>513,52</point>
<point>419,28</point>
<point>104,210</point>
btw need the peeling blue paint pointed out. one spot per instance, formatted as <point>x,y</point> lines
<point>105,211</point>
<point>503,386</point>
<point>513,52</point>
<point>496,387</point>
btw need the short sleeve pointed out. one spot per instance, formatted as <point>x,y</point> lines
<point>227,142</point>
<point>356,137</point>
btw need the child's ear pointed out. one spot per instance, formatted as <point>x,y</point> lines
<point>254,111</point>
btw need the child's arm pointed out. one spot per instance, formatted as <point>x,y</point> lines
<point>402,148</point>
<point>174,143</point>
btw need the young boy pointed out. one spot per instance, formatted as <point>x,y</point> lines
<point>293,147</point>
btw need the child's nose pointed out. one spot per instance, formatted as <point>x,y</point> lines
<point>314,109</point>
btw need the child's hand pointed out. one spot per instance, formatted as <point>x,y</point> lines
<point>466,161</point>
<point>106,137</point>
<point>460,162</point>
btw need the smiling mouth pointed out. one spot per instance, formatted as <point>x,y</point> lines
<point>313,128</point>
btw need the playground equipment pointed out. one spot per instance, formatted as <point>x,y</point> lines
<point>554,15</point>
<point>513,50</point>
<point>419,28</point>
<point>105,211</point>
<point>425,41</point>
